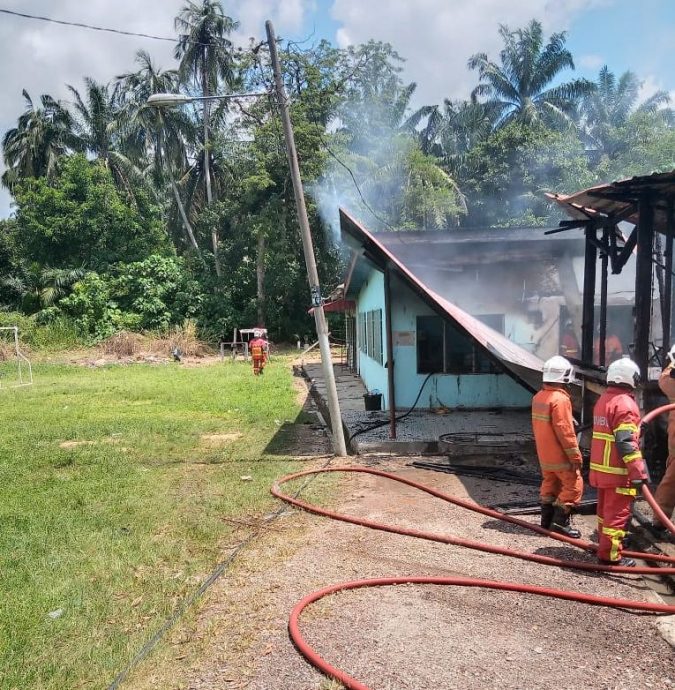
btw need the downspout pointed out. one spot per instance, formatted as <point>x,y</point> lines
<point>391,390</point>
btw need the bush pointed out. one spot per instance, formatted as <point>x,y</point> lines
<point>60,333</point>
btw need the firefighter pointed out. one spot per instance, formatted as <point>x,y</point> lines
<point>665,492</point>
<point>258,348</point>
<point>617,468</point>
<point>569,345</point>
<point>557,448</point>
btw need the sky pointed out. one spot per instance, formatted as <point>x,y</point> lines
<point>436,37</point>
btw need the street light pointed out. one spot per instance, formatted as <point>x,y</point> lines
<point>171,100</point>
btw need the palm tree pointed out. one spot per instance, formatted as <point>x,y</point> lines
<point>610,106</point>
<point>206,60</point>
<point>98,125</point>
<point>519,87</point>
<point>162,134</point>
<point>41,137</point>
<point>37,287</point>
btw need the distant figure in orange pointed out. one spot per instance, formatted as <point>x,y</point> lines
<point>613,348</point>
<point>569,343</point>
<point>258,348</point>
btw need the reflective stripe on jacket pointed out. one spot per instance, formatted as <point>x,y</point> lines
<point>615,449</point>
<point>553,426</point>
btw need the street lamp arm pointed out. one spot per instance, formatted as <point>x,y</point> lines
<point>170,100</point>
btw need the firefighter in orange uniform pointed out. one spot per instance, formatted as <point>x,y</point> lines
<point>665,492</point>
<point>569,345</point>
<point>617,468</point>
<point>557,448</point>
<point>258,349</point>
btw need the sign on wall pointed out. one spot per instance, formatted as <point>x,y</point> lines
<point>404,338</point>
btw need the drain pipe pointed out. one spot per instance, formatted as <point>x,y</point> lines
<point>391,392</point>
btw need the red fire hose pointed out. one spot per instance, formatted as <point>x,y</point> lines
<point>352,683</point>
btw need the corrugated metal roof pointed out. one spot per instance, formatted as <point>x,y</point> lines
<point>521,364</point>
<point>616,197</point>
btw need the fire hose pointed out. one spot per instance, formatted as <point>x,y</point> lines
<point>352,683</point>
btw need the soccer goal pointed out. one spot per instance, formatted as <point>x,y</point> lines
<point>15,368</point>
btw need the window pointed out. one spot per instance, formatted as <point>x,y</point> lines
<point>370,334</point>
<point>444,349</point>
<point>495,321</point>
<point>429,344</point>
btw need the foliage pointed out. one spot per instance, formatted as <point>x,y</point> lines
<point>157,290</point>
<point>80,219</point>
<point>147,295</point>
<point>608,111</point>
<point>42,136</point>
<point>59,334</point>
<point>514,166</point>
<point>519,88</point>
<point>210,184</point>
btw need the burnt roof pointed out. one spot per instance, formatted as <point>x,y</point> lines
<point>621,199</point>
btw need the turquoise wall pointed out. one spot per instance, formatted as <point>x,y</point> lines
<point>469,391</point>
<point>373,374</point>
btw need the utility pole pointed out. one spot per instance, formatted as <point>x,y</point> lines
<point>339,446</point>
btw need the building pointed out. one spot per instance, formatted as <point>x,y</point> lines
<point>472,314</point>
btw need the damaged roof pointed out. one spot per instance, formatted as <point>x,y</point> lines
<point>518,362</point>
<point>620,200</point>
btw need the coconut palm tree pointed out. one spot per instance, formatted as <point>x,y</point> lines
<point>519,87</point>
<point>42,135</point>
<point>206,60</point>
<point>98,126</point>
<point>161,135</point>
<point>610,106</point>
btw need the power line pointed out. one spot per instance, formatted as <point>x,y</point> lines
<point>81,25</point>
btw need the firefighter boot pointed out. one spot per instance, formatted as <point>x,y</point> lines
<point>561,523</point>
<point>546,515</point>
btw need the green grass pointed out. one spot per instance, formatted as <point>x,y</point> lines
<point>115,532</point>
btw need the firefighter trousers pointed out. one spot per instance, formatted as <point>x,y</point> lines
<point>614,506</point>
<point>665,491</point>
<point>563,487</point>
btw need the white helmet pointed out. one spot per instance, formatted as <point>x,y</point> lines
<point>623,371</point>
<point>671,355</point>
<point>558,370</point>
<point>258,332</point>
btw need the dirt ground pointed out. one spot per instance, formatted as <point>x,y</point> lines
<point>407,637</point>
<point>413,637</point>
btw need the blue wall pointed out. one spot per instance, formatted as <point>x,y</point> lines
<point>468,391</point>
<point>374,375</point>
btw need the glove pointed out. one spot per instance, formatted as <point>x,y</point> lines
<point>637,472</point>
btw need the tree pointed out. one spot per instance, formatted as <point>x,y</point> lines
<point>520,86</point>
<point>513,168</point>
<point>80,219</point>
<point>160,134</point>
<point>206,60</point>
<point>42,136</point>
<point>36,287</point>
<point>98,126</point>
<point>608,108</point>
<point>378,168</point>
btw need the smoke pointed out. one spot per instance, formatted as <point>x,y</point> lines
<point>366,178</point>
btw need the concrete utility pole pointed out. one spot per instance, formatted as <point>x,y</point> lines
<point>339,446</point>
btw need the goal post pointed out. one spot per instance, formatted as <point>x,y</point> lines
<point>15,367</point>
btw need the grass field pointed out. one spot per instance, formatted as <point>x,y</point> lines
<point>114,486</point>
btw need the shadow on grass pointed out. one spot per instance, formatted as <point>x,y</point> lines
<point>305,436</point>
